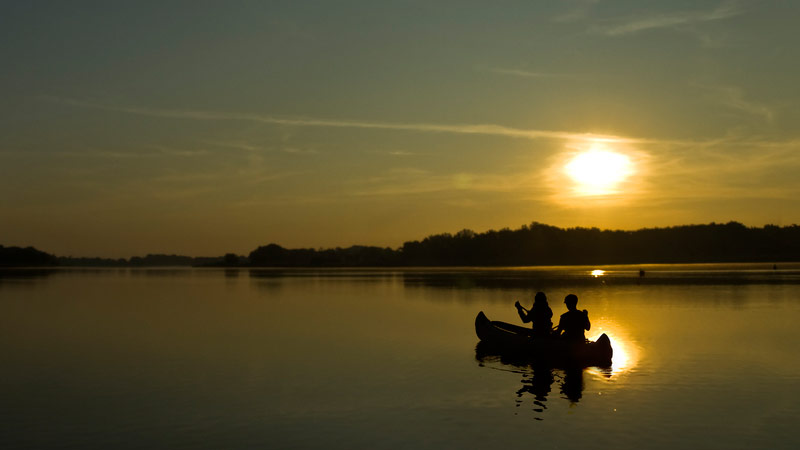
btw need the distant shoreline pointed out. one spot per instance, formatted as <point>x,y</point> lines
<point>532,245</point>
<point>745,265</point>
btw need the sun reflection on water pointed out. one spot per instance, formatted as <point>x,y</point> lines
<point>598,273</point>
<point>626,353</point>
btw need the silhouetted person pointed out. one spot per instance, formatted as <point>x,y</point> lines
<point>540,315</point>
<point>573,322</point>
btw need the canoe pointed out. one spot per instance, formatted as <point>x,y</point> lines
<point>507,338</point>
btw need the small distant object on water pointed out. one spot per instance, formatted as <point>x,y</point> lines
<point>774,267</point>
<point>641,272</point>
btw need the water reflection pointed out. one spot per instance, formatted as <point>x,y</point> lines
<point>192,359</point>
<point>537,379</point>
<point>626,353</point>
<point>14,277</point>
<point>575,277</point>
<point>25,273</point>
<point>538,383</point>
<point>572,384</point>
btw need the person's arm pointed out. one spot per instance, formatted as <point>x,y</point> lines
<point>560,327</point>
<point>523,314</point>
<point>586,325</point>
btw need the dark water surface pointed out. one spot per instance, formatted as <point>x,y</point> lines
<point>706,356</point>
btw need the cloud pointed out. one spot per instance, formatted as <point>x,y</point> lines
<point>299,151</point>
<point>734,97</point>
<point>579,11</point>
<point>149,152</point>
<point>479,129</point>
<point>729,96</point>
<point>730,168</point>
<point>168,151</point>
<point>670,20</point>
<point>729,171</point>
<point>251,148</point>
<point>528,74</point>
<point>237,145</point>
<point>412,181</point>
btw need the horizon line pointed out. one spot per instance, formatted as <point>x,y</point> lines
<point>429,235</point>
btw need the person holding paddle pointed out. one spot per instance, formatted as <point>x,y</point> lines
<point>539,315</point>
<point>573,322</point>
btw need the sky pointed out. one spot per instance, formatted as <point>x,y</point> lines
<point>202,127</point>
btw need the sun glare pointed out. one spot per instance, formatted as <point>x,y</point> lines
<point>626,353</point>
<point>598,171</point>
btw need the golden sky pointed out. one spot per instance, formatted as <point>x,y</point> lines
<point>204,128</point>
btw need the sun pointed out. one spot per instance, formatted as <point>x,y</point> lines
<point>598,171</point>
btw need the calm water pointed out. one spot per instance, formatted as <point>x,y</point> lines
<point>706,357</point>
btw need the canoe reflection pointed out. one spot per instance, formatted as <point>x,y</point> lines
<point>537,379</point>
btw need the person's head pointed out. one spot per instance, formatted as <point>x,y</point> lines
<point>540,298</point>
<point>571,301</point>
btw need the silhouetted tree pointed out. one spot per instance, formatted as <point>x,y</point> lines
<point>231,259</point>
<point>539,244</point>
<point>25,257</point>
<point>530,245</point>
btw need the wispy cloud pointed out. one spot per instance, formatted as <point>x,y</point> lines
<point>734,97</point>
<point>237,145</point>
<point>169,151</point>
<point>637,24</point>
<point>528,74</point>
<point>299,151</point>
<point>412,181</point>
<point>731,168</point>
<point>726,172</point>
<point>479,129</point>
<point>252,148</point>
<point>577,11</point>
<point>148,152</point>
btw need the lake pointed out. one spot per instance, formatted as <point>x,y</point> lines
<point>706,356</point>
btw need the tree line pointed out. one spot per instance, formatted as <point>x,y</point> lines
<point>31,257</point>
<point>530,245</point>
<point>27,256</point>
<point>540,244</point>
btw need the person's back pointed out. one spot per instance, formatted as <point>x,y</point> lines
<point>539,315</point>
<point>572,324</point>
